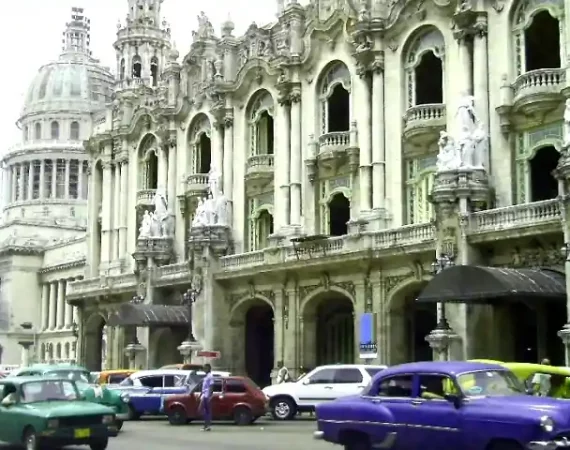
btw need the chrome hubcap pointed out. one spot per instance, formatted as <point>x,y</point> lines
<point>31,442</point>
<point>282,409</point>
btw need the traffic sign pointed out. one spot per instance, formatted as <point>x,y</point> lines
<point>209,354</point>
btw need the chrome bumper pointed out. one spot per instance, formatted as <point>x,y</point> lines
<point>318,435</point>
<point>548,445</point>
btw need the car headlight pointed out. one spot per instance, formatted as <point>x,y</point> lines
<point>125,397</point>
<point>108,419</point>
<point>53,423</point>
<point>547,424</point>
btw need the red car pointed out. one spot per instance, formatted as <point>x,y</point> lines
<point>234,398</point>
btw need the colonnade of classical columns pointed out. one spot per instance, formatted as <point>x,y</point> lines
<point>56,313</point>
<point>39,179</point>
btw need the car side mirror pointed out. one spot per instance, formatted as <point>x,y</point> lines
<point>306,381</point>
<point>6,401</point>
<point>453,398</point>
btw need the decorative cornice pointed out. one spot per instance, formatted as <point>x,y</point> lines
<point>63,266</point>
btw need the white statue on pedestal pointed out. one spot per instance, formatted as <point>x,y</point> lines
<point>145,228</point>
<point>155,226</point>
<point>448,157</point>
<point>161,214</point>
<point>214,178</point>
<point>567,124</point>
<point>221,209</point>
<point>200,219</point>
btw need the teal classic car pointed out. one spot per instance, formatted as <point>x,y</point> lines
<point>50,413</point>
<point>83,380</point>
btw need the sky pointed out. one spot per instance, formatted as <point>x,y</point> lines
<point>31,36</point>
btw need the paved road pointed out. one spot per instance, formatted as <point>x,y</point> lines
<point>154,433</point>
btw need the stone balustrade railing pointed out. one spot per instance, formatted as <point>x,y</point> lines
<point>260,160</point>
<point>516,216</point>
<point>544,80</point>
<point>334,139</point>
<point>197,179</point>
<point>89,286</point>
<point>422,113</point>
<point>145,196</point>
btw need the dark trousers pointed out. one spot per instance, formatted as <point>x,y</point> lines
<point>207,411</point>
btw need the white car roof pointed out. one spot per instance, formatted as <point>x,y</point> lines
<point>146,373</point>
<point>352,366</point>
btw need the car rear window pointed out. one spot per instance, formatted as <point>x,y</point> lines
<point>249,382</point>
<point>235,387</point>
<point>373,370</point>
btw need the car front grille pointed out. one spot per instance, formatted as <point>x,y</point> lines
<point>80,421</point>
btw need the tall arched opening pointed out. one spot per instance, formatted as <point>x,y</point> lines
<point>94,347</point>
<point>164,346</point>
<point>543,184</point>
<point>410,323</point>
<point>339,215</point>
<point>259,342</point>
<point>328,330</point>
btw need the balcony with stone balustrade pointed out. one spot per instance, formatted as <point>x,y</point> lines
<point>92,287</point>
<point>527,219</point>
<point>196,185</point>
<point>424,120</point>
<point>145,198</point>
<point>538,91</point>
<point>259,171</point>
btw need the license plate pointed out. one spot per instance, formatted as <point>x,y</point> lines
<point>82,433</point>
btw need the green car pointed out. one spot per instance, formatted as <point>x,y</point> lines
<point>83,380</point>
<point>51,413</point>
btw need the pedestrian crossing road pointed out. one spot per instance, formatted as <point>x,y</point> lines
<point>157,433</point>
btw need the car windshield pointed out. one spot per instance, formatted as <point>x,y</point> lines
<point>74,375</point>
<point>490,383</point>
<point>48,390</point>
<point>127,382</point>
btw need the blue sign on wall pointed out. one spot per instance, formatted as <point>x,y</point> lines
<point>367,332</point>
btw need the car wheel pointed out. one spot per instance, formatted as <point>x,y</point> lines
<point>242,416</point>
<point>358,443</point>
<point>99,445</point>
<point>133,415</point>
<point>119,424</point>
<point>283,409</point>
<point>177,416</point>
<point>30,439</point>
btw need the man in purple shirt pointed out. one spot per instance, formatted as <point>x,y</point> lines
<point>206,397</point>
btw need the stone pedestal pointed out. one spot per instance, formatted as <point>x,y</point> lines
<point>471,184</point>
<point>446,345</point>
<point>158,249</point>
<point>217,238</point>
<point>26,345</point>
<point>187,350</point>
<point>131,352</point>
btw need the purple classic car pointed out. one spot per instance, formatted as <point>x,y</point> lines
<point>445,406</point>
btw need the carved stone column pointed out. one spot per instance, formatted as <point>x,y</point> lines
<point>52,305</point>
<point>296,157</point>
<point>228,169</point>
<point>124,210</point>
<point>106,212</point>
<point>45,306</point>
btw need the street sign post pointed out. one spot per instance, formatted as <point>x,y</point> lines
<point>209,354</point>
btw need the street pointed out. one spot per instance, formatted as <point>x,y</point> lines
<point>155,433</point>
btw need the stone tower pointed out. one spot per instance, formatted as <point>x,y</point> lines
<point>142,45</point>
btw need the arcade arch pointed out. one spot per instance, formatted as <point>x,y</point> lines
<point>254,339</point>
<point>410,323</point>
<point>94,346</point>
<point>328,329</point>
<point>164,345</point>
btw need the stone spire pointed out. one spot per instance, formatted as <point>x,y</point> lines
<point>76,37</point>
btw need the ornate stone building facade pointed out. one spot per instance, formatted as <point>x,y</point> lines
<point>324,127</point>
<point>45,181</point>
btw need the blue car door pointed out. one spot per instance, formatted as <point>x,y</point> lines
<point>149,400</point>
<point>173,384</point>
<point>436,421</point>
<point>387,416</point>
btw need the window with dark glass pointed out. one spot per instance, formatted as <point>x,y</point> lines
<point>398,386</point>
<point>323,376</point>
<point>48,177</point>
<point>152,381</point>
<point>235,387</point>
<point>74,131</point>
<point>38,131</point>
<point>74,179</point>
<point>55,130</point>
<point>346,376</point>
<point>26,180</point>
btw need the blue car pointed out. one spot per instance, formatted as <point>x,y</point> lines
<point>147,389</point>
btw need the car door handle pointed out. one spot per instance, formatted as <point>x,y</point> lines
<point>416,402</point>
<point>328,387</point>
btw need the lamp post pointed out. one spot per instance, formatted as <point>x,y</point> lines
<point>75,334</point>
<point>442,262</point>
<point>188,299</point>
<point>135,346</point>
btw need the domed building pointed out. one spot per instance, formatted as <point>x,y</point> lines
<point>45,189</point>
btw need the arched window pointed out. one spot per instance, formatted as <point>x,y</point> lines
<point>201,145</point>
<point>263,229</point>
<point>38,131</point>
<point>339,215</point>
<point>537,36</point>
<point>424,69</point>
<point>543,184</point>
<point>154,70</point>
<point>335,87</point>
<point>420,174</point>
<point>261,126</point>
<point>149,163</point>
<point>137,67</point>
<point>54,130</point>
<point>74,131</point>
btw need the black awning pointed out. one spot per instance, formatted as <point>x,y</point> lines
<point>140,315</point>
<point>478,284</point>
